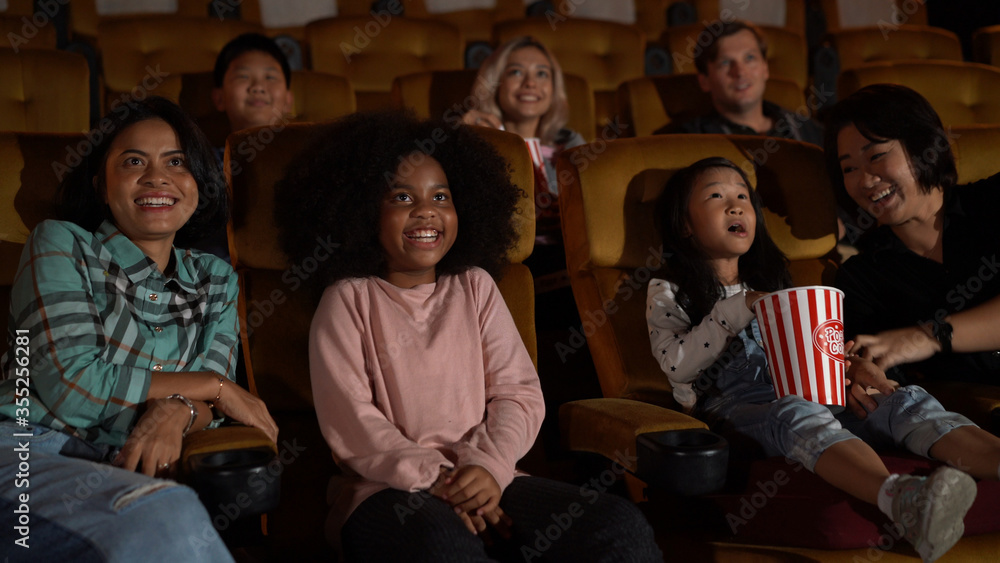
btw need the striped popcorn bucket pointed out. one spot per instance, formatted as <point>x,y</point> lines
<point>803,333</point>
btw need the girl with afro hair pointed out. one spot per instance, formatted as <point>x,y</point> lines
<point>423,388</point>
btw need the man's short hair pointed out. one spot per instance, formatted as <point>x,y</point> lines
<point>244,44</point>
<point>709,39</point>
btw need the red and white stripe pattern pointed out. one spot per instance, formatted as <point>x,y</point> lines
<point>535,150</point>
<point>803,333</point>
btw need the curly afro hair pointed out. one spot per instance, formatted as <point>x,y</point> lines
<point>334,190</point>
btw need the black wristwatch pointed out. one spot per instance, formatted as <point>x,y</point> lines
<point>943,336</point>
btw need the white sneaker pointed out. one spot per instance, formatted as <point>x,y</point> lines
<point>932,509</point>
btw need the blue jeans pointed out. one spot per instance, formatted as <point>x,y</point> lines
<point>71,509</point>
<point>738,398</point>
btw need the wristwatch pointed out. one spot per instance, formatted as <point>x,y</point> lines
<point>190,405</point>
<point>943,335</point>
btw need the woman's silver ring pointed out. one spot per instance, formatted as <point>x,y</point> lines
<point>164,465</point>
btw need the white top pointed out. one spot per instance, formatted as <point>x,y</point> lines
<point>684,351</point>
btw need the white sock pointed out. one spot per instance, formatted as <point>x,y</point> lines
<point>885,494</point>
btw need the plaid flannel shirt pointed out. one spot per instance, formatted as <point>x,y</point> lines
<point>101,319</point>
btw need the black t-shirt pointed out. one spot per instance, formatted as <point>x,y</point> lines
<point>785,125</point>
<point>888,286</point>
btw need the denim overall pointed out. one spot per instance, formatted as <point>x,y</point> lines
<point>736,395</point>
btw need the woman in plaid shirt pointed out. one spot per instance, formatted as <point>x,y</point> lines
<point>123,342</point>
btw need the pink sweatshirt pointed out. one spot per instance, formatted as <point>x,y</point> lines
<point>406,381</point>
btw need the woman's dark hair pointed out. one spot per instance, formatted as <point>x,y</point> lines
<point>335,188</point>
<point>80,202</point>
<point>884,112</point>
<point>763,267</point>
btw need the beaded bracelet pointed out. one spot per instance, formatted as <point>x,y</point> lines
<point>219,394</point>
<point>211,404</point>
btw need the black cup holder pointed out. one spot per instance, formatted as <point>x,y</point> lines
<point>237,483</point>
<point>683,462</point>
<point>233,460</point>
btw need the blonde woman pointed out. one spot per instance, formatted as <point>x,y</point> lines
<point>520,89</point>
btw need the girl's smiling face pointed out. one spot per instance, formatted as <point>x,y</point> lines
<point>418,224</point>
<point>721,217</point>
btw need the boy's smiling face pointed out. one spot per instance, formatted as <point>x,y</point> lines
<point>254,92</point>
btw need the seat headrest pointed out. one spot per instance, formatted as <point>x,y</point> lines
<point>620,184</point>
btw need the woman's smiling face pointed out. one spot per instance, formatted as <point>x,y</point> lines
<point>147,183</point>
<point>879,177</point>
<point>525,90</point>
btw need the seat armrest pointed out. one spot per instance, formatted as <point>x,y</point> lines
<point>214,440</point>
<point>609,427</point>
<point>234,469</point>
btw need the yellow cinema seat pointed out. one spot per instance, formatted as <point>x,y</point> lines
<point>44,90</point>
<point>138,53</point>
<point>986,45</point>
<point>857,46</point>
<point>961,93</point>
<point>649,103</point>
<point>371,51</point>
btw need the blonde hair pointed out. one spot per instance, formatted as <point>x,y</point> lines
<point>488,82</point>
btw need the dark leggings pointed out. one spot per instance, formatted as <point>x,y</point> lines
<point>553,521</point>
